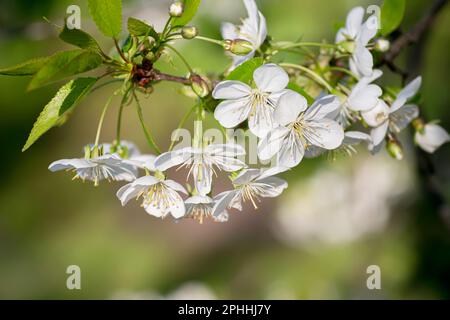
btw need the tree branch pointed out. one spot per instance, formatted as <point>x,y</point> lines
<point>415,34</point>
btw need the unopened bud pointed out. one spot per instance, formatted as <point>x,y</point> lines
<point>382,45</point>
<point>239,47</point>
<point>189,32</point>
<point>394,148</point>
<point>199,86</point>
<point>347,46</point>
<point>176,9</point>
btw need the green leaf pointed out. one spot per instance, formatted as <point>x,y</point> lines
<point>190,9</point>
<point>392,13</point>
<point>65,64</point>
<point>140,28</point>
<point>244,72</point>
<point>80,39</point>
<point>59,107</point>
<point>27,68</point>
<point>107,15</point>
<point>295,87</point>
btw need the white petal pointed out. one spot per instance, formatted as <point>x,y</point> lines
<point>378,115</point>
<point>175,186</point>
<point>177,208</point>
<point>355,137</point>
<point>433,138</point>
<point>401,118</point>
<point>292,151</point>
<point>231,90</point>
<point>272,186</point>
<point>143,162</point>
<point>225,150</point>
<point>270,78</point>
<point>272,171</point>
<point>290,105</point>
<point>327,134</point>
<point>369,30</point>
<point>379,133</point>
<point>172,159</point>
<point>233,112</point>
<point>262,30</point>
<point>407,93</point>
<point>354,22</point>
<point>261,121</point>
<point>127,192</point>
<point>247,175</point>
<point>363,61</point>
<point>145,181</point>
<point>228,31</point>
<point>272,143</point>
<point>70,164</point>
<point>223,202</point>
<point>364,97</point>
<point>202,178</point>
<point>323,107</point>
<point>198,200</point>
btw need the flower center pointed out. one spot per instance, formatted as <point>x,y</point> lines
<point>200,212</point>
<point>159,196</point>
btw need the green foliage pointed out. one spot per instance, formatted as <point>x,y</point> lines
<point>57,110</point>
<point>244,72</point>
<point>107,15</point>
<point>140,28</point>
<point>295,87</point>
<point>27,68</point>
<point>65,64</point>
<point>190,9</point>
<point>80,39</point>
<point>392,13</point>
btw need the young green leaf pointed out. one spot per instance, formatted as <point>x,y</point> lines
<point>392,13</point>
<point>107,15</point>
<point>190,9</point>
<point>244,72</point>
<point>80,39</point>
<point>65,64</point>
<point>27,68</point>
<point>140,28</point>
<point>295,87</point>
<point>59,107</point>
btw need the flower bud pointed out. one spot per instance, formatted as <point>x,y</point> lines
<point>394,148</point>
<point>347,46</point>
<point>189,32</point>
<point>239,47</point>
<point>176,9</point>
<point>199,86</point>
<point>382,45</point>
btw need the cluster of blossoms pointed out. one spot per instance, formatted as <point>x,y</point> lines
<point>349,108</point>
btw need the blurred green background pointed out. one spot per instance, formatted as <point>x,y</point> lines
<point>315,241</point>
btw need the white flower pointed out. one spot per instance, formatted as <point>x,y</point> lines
<point>250,185</point>
<point>361,61</point>
<point>363,97</point>
<point>201,207</point>
<point>351,139</point>
<point>253,29</point>
<point>394,119</point>
<point>103,167</point>
<point>160,197</point>
<point>300,129</point>
<point>241,102</point>
<point>202,162</point>
<point>431,137</point>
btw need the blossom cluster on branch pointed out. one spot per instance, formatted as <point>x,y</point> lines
<point>329,103</point>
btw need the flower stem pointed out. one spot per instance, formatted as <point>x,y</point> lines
<point>311,73</point>
<point>180,125</point>
<point>148,136</point>
<point>290,45</point>
<point>102,118</point>
<point>181,58</point>
<point>120,51</point>
<point>218,42</point>
<point>343,70</point>
<point>119,118</point>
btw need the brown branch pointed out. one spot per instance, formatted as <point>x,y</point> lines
<point>415,34</point>
<point>167,77</point>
